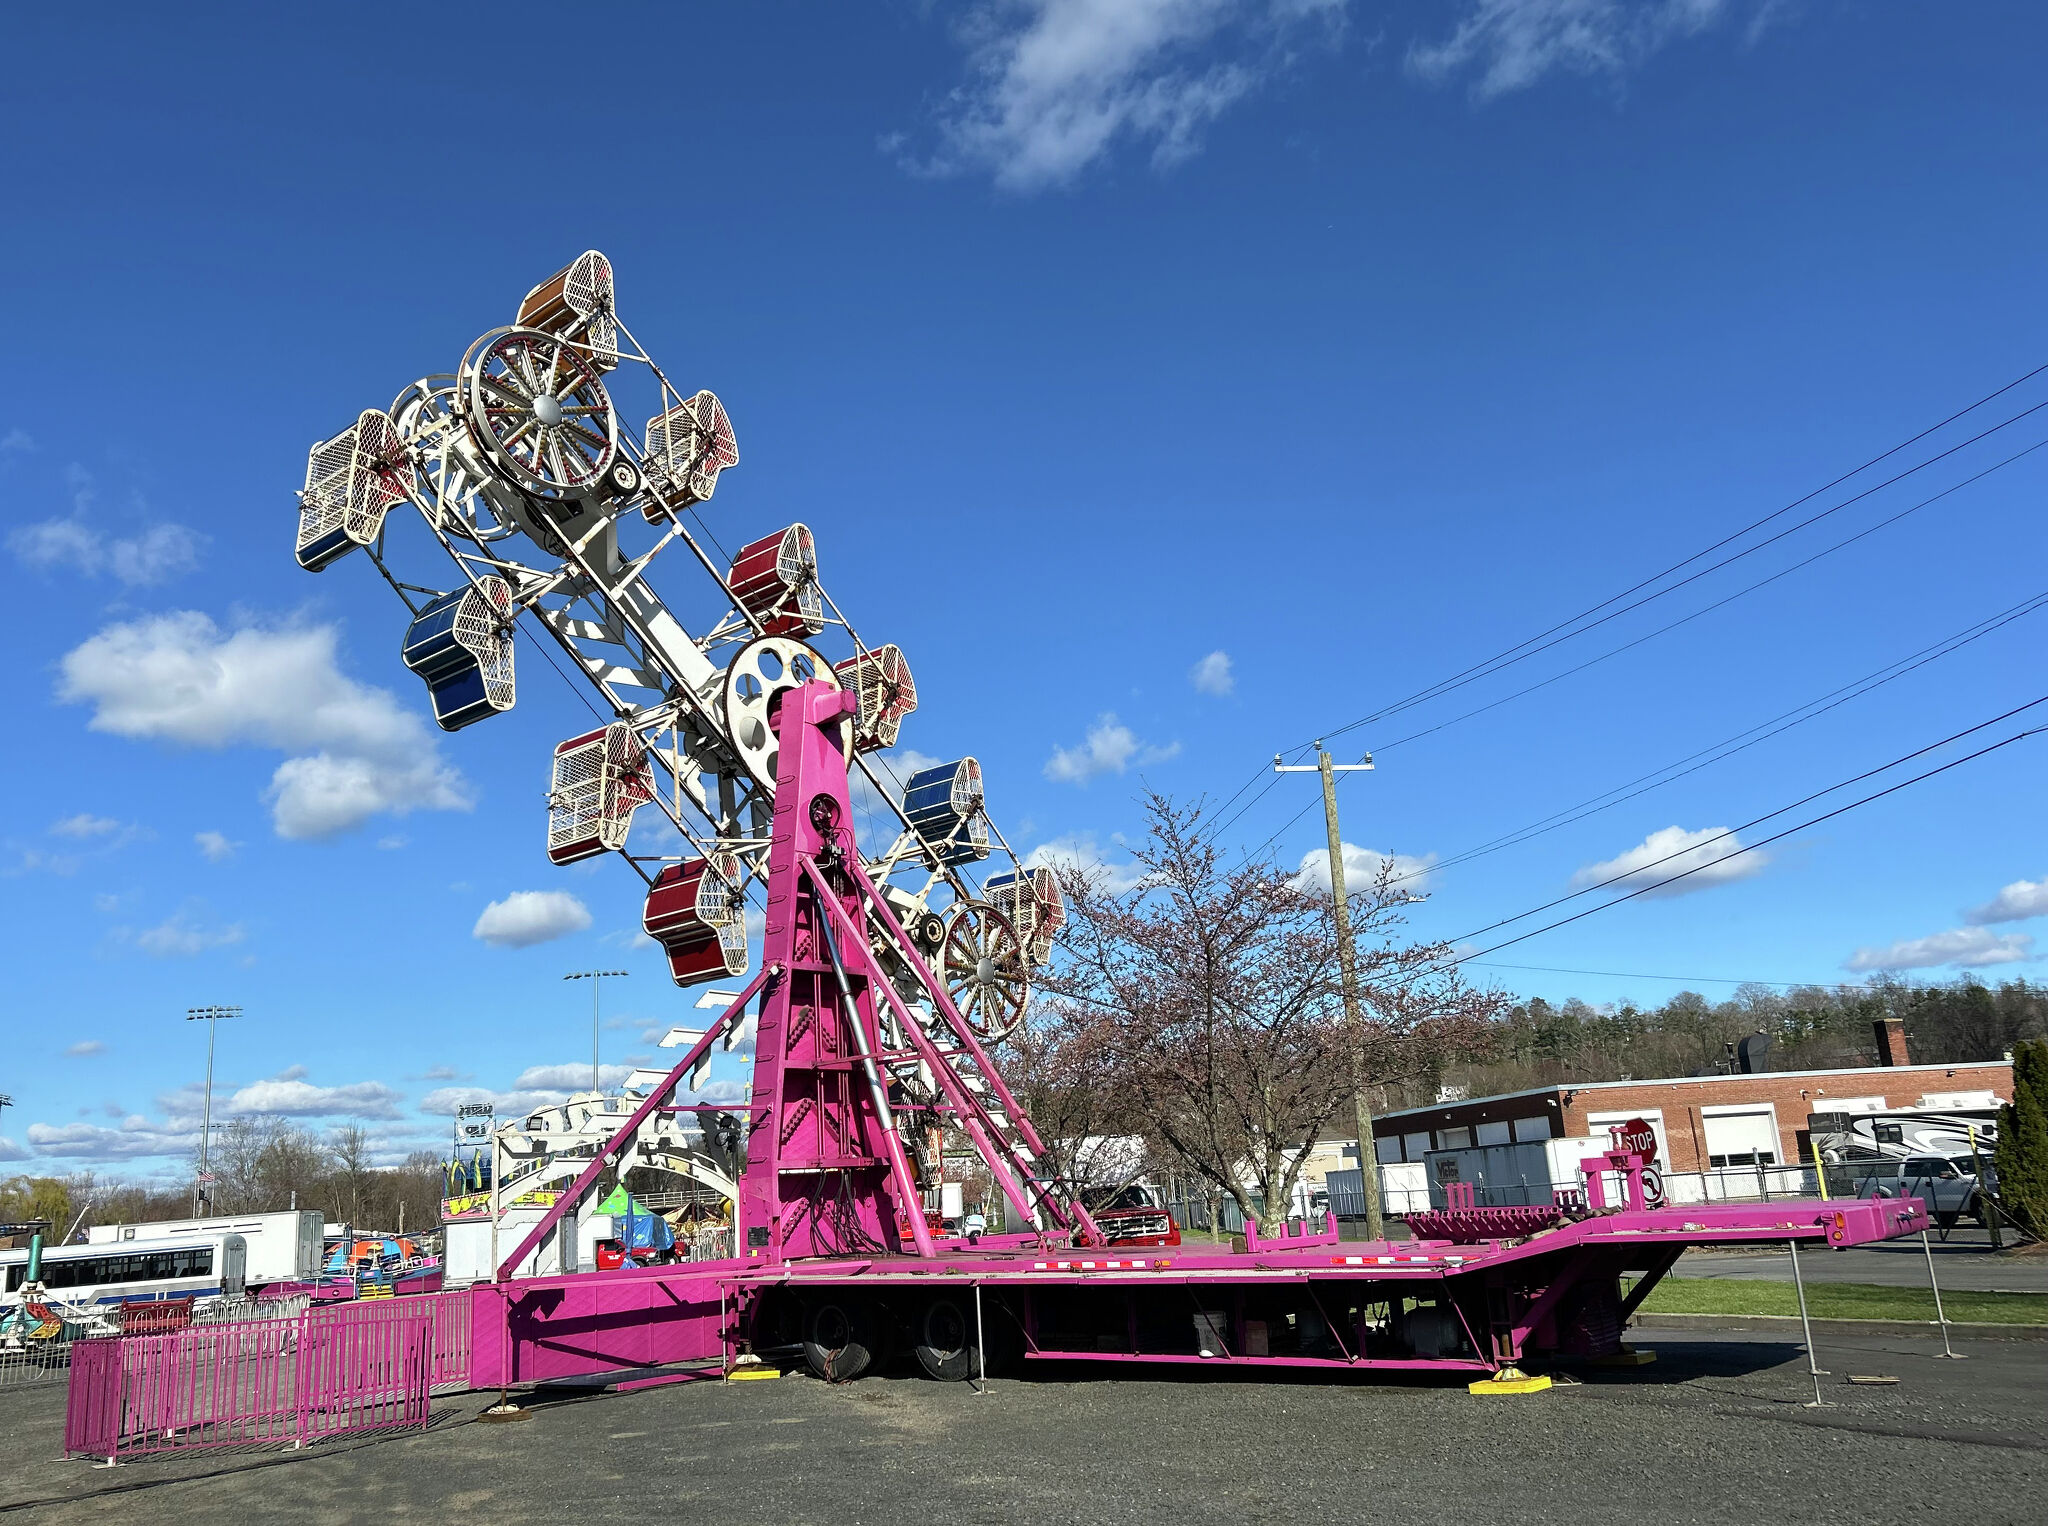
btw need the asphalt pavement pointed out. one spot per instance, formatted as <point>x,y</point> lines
<point>1964,1261</point>
<point>1716,1431</point>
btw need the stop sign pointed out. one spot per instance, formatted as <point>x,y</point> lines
<point>1637,1135</point>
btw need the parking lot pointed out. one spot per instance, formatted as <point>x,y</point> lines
<point>1715,1431</point>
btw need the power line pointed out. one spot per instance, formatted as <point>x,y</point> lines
<point>1709,980</point>
<point>1763,731</point>
<point>1727,599</point>
<point>1660,630</point>
<point>1530,647</point>
<point>2018,736</point>
<point>1471,674</point>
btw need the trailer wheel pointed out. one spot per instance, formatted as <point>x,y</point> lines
<point>946,1349</point>
<point>839,1340</point>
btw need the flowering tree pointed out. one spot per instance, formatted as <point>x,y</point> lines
<point>1210,996</point>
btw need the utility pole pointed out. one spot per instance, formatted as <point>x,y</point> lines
<point>596,978</point>
<point>203,1188</point>
<point>1347,967</point>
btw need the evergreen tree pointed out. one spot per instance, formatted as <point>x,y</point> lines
<point>2023,1141</point>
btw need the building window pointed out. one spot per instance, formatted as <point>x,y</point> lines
<point>1414,1146</point>
<point>1454,1139</point>
<point>1529,1130</point>
<point>1492,1133</point>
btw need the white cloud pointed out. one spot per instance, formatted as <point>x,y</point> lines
<point>1362,870</point>
<point>140,561</point>
<point>1109,748</point>
<point>1969,948</point>
<point>85,825</point>
<point>1512,44</point>
<point>392,842</point>
<point>574,1076</point>
<point>440,1073</point>
<point>1081,853</point>
<point>215,846</point>
<point>287,1096</point>
<point>1055,85</point>
<point>1212,674</point>
<point>2015,903</point>
<point>9,1150</point>
<point>177,678</point>
<point>184,934</point>
<point>1672,850</point>
<point>16,440</point>
<point>132,1139</point>
<point>527,917</point>
<point>87,1046</point>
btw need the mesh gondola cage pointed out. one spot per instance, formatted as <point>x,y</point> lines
<point>600,779</point>
<point>696,910</point>
<point>776,581</point>
<point>943,804</point>
<point>685,450</point>
<point>352,481</point>
<point>881,680</point>
<point>1032,902</point>
<point>575,303</point>
<point>461,644</point>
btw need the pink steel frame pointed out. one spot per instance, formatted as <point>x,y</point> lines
<point>828,1208</point>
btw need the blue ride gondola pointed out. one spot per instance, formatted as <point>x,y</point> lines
<point>944,805</point>
<point>461,644</point>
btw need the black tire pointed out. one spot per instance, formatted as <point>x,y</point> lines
<point>840,1340</point>
<point>946,1348</point>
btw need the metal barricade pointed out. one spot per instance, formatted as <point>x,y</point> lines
<point>285,1379</point>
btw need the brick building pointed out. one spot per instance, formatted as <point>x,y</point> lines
<point>1700,1121</point>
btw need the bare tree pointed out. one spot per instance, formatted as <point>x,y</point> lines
<point>1211,996</point>
<point>353,1173</point>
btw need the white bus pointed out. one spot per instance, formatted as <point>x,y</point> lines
<point>193,1266</point>
<point>281,1247</point>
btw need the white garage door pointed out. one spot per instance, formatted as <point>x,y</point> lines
<point>1741,1136</point>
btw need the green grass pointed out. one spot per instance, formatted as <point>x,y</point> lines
<point>1841,1300</point>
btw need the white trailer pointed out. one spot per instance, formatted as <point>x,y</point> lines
<point>282,1247</point>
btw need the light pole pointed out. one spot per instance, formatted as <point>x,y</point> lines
<point>1347,968</point>
<point>596,979</point>
<point>210,1016</point>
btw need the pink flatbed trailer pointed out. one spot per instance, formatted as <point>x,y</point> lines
<point>1470,1299</point>
<point>837,1260</point>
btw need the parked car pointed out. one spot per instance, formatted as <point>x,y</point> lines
<point>1946,1184</point>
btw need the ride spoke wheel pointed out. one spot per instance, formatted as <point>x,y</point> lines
<point>982,963</point>
<point>540,412</point>
<point>761,672</point>
<point>946,1347</point>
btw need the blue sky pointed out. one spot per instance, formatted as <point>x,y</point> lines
<point>1354,343</point>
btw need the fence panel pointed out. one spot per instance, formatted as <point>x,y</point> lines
<point>299,1378</point>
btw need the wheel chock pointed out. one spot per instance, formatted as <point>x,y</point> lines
<point>1628,1356</point>
<point>1509,1380</point>
<point>748,1374</point>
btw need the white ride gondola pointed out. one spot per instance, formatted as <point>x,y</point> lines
<point>600,779</point>
<point>352,481</point>
<point>686,448</point>
<point>881,680</point>
<point>1032,901</point>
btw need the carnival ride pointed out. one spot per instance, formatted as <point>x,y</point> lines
<point>886,977</point>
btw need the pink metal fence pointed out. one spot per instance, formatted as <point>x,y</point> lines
<point>344,1368</point>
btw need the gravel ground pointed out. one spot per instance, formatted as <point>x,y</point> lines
<point>1714,1432</point>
